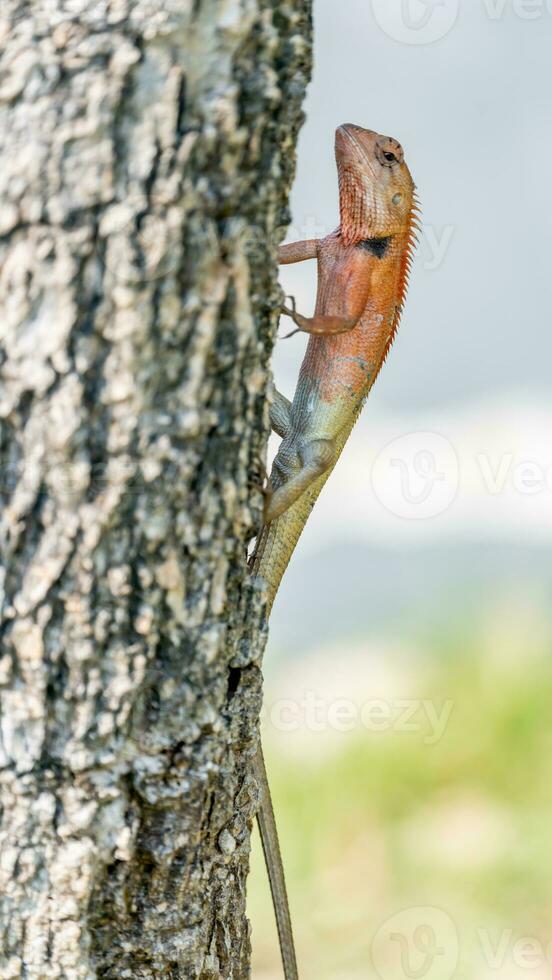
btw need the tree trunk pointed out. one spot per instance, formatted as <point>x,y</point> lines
<point>146,153</point>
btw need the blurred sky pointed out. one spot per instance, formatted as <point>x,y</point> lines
<point>474,113</point>
<point>454,449</point>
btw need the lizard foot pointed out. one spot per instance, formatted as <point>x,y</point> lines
<point>293,315</point>
<point>316,457</point>
<point>320,325</point>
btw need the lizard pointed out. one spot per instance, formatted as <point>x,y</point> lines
<point>363,270</point>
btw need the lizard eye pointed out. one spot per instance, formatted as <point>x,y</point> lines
<point>388,151</point>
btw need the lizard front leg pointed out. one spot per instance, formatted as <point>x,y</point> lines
<point>316,457</point>
<point>323,325</point>
<point>298,252</point>
<point>349,302</point>
<point>301,252</point>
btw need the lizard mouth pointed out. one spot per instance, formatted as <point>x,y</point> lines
<point>347,132</point>
<point>353,153</point>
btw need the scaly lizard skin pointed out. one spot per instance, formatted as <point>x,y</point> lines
<point>363,270</point>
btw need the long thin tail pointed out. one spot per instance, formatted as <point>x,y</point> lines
<point>275,868</point>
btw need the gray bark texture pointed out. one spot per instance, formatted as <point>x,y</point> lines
<point>146,154</point>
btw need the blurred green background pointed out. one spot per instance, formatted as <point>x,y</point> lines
<point>456,818</point>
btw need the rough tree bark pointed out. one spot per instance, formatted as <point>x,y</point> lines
<point>146,154</point>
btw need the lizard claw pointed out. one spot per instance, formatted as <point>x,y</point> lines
<point>259,480</point>
<point>293,315</point>
<point>293,307</point>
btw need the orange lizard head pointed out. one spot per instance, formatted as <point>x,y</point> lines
<point>376,191</point>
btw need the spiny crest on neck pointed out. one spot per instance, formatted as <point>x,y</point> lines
<point>411,237</point>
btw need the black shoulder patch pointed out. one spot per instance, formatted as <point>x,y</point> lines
<point>377,246</point>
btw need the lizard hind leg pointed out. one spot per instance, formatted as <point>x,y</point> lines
<point>280,419</point>
<point>316,457</point>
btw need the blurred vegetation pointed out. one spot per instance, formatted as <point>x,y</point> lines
<point>384,822</point>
